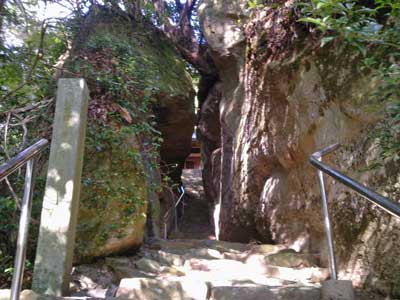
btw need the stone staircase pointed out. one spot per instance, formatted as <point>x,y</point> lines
<point>206,270</point>
<point>203,270</point>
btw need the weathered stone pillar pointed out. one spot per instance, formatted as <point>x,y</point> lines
<point>61,199</point>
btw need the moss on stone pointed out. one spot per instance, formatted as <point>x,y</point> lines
<point>130,69</point>
<point>113,196</point>
<point>155,58</point>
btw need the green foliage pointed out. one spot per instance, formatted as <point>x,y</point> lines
<point>8,226</point>
<point>17,61</point>
<point>374,32</point>
<point>132,85</point>
<point>358,25</point>
<point>8,217</point>
<point>254,4</point>
<point>118,71</point>
<point>122,136</point>
<point>27,78</point>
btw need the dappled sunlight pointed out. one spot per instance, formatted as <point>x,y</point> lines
<point>273,82</point>
<point>269,187</point>
<point>216,216</point>
<point>74,119</point>
<point>191,269</point>
<point>61,199</point>
<point>65,147</point>
<point>301,242</point>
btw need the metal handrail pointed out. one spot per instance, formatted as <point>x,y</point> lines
<point>182,190</point>
<point>173,209</point>
<point>383,202</point>
<point>28,157</point>
<point>21,158</point>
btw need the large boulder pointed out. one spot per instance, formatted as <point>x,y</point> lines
<point>141,115</point>
<point>285,97</point>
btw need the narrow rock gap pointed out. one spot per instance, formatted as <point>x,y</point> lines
<point>194,220</point>
<point>193,211</point>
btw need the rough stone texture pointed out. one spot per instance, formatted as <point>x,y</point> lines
<point>222,263</point>
<point>193,269</point>
<point>93,280</point>
<point>192,182</point>
<point>203,272</point>
<point>121,267</point>
<point>167,258</point>
<point>291,259</point>
<point>193,210</point>
<point>29,295</point>
<point>183,245</point>
<point>113,200</point>
<point>121,176</point>
<point>262,293</point>
<point>148,265</point>
<point>150,289</point>
<point>56,241</point>
<point>337,290</point>
<point>284,97</point>
<point>209,133</point>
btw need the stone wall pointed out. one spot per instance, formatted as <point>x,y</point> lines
<point>285,97</point>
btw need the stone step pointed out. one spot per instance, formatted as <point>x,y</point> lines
<point>31,295</point>
<point>179,246</point>
<point>173,259</point>
<point>187,269</point>
<point>177,257</point>
<point>264,293</point>
<point>186,244</point>
<point>152,289</point>
<point>236,269</point>
<point>165,258</point>
<point>175,290</point>
<point>189,289</point>
<point>170,253</point>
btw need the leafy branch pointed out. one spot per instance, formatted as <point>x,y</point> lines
<point>374,31</point>
<point>38,57</point>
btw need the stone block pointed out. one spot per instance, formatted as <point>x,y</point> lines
<point>337,290</point>
<point>264,293</point>
<point>152,289</point>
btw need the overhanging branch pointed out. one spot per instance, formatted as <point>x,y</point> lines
<point>183,36</point>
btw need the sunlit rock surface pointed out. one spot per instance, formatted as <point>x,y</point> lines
<point>285,97</point>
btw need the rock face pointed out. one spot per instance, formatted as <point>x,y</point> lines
<point>209,132</point>
<point>283,98</point>
<point>141,116</point>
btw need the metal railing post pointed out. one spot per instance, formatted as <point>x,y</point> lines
<point>172,213</point>
<point>183,202</point>
<point>182,190</point>
<point>383,202</point>
<point>176,220</point>
<point>328,227</point>
<point>26,208</point>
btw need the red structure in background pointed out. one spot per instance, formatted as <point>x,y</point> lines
<point>193,161</point>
